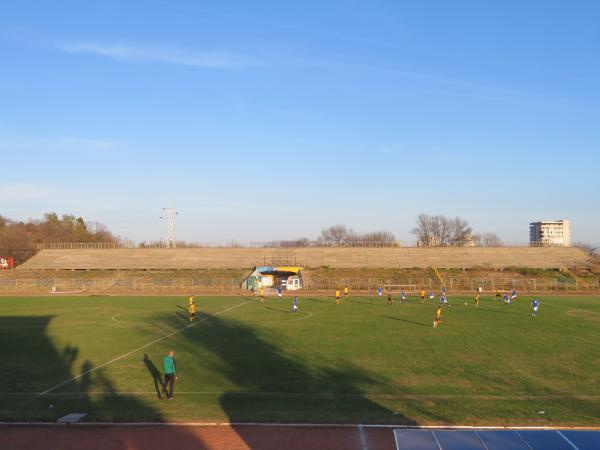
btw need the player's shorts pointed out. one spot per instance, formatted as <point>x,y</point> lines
<point>535,309</point>
<point>337,297</point>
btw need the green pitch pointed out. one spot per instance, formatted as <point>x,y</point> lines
<point>360,361</point>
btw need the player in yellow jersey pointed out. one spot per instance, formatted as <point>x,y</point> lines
<point>346,292</point>
<point>477,299</point>
<point>438,316</point>
<point>337,296</point>
<point>262,295</point>
<point>191,309</point>
<point>422,295</point>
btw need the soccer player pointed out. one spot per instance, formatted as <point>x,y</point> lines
<point>422,294</point>
<point>535,304</point>
<point>438,316</point>
<point>443,291</point>
<point>170,374</point>
<point>402,296</point>
<point>279,293</point>
<point>477,299</point>
<point>507,299</point>
<point>379,292</point>
<point>431,296</point>
<point>190,300</point>
<point>262,295</point>
<point>191,309</point>
<point>390,301</point>
<point>513,296</point>
<point>498,293</point>
<point>443,300</point>
<point>295,305</point>
<point>337,296</point>
<point>346,292</point>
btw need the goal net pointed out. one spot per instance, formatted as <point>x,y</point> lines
<point>397,288</point>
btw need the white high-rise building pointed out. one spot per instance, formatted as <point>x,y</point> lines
<point>549,233</point>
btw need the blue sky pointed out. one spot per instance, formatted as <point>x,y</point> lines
<point>272,120</point>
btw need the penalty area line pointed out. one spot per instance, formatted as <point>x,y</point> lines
<point>125,355</point>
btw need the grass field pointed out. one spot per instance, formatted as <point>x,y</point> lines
<point>360,361</point>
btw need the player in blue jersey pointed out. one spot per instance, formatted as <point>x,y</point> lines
<point>279,293</point>
<point>295,305</point>
<point>507,299</point>
<point>513,296</point>
<point>535,304</point>
<point>379,292</point>
<point>402,296</point>
<point>431,296</point>
<point>443,299</point>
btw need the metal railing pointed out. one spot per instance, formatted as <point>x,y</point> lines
<point>291,244</point>
<point>170,285</point>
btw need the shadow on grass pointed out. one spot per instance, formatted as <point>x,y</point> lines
<point>502,312</point>
<point>285,311</point>
<point>407,321</point>
<point>32,363</point>
<point>155,373</point>
<point>272,385</point>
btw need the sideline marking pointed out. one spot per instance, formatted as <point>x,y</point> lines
<point>303,425</point>
<point>328,395</point>
<point>138,349</point>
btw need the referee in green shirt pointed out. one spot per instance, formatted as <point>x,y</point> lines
<point>170,374</point>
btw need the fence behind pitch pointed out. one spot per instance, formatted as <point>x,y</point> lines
<point>171,285</point>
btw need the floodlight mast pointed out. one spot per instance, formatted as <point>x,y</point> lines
<point>171,213</point>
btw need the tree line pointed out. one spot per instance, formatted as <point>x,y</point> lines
<point>430,231</point>
<point>20,238</point>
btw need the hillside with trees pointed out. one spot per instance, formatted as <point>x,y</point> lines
<point>19,238</point>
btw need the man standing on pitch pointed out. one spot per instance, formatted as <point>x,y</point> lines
<point>170,374</point>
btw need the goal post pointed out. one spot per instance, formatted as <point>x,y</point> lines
<point>397,288</point>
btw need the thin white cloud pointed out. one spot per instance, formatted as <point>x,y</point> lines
<point>160,54</point>
<point>17,192</point>
<point>69,144</point>
<point>98,144</point>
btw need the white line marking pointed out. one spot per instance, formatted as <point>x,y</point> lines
<point>363,438</point>
<point>302,425</point>
<point>480,440</point>
<point>567,439</point>
<point>523,439</point>
<point>396,440</point>
<point>138,349</point>
<point>331,395</point>
<point>436,440</point>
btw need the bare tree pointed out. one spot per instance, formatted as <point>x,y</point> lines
<point>301,242</point>
<point>337,235</point>
<point>589,248</point>
<point>441,230</point>
<point>487,240</point>
<point>378,237</point>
